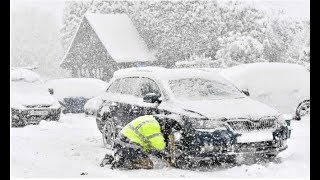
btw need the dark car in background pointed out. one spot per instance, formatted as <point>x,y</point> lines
<point>31,101</point>
<point>218,120</point>
<point>73,93</point>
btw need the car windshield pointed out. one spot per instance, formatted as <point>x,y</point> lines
<point>199,89</point>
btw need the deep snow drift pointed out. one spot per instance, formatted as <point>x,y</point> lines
<point>73,146</point>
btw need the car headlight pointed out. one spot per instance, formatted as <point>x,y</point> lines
<point>209,124</point>
<point>283,120</point>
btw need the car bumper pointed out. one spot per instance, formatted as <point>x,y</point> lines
<point>73,104</point>
<point>202,149</point>
<point>34,116</point>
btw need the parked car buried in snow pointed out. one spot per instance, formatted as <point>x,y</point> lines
<point>218,120</point>
<point>73,93</point>
<point>31,101</point>
<point>283,86</point>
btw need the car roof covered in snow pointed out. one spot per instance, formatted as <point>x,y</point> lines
<point>76,87</point>
<point>166,74</point>
<point>24,75</point>
<point>120,37</point>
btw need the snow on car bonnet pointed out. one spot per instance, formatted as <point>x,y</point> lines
<point>76,87</point>
<point>28,89</point>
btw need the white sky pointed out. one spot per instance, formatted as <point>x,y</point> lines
<point>293,8</point>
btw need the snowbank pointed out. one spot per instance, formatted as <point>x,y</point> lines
<point>73,145</point>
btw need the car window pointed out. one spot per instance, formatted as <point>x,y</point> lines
<point>113,88</point>
<point>199,88</point>
<point>147,86</point>
<point>129,86</point>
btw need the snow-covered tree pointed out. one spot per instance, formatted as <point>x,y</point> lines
<point>299,50</point>
<point>72,16</point>
<point>177,30</point>
<point>196,61</point>
<point>238,49</point>
<point>35,41</point>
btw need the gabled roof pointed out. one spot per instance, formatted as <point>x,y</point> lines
<point>120,37</point>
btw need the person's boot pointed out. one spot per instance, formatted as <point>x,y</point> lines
<point>143,163</point>
<point>108,159</point>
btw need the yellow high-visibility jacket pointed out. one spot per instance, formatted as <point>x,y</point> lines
<point>145,131</point>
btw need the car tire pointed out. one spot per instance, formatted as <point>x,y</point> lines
<point>180,161</point>
<point>55,117</point>
<point>267,157</point>
<point>108,134</point>
<point>303,109</point>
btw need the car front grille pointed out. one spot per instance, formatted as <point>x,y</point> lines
<point>247,125</point>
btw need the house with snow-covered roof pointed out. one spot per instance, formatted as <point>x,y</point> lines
<point>103,44</point>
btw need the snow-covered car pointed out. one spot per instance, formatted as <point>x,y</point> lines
<point>31,101</point>
<point>218,120</point>
<point>73,93</point>
<point>92,105</point>
<point>283,86</point>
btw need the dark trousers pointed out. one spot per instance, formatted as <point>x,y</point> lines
<point>126,153</point>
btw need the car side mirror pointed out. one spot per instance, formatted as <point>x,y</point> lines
<point>51,91</point>
<point>246,92</point>
<point>152,98</point>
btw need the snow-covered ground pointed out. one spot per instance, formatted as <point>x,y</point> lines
<point>73,146</point>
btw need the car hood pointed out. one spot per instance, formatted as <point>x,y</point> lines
<point>226,108</point>
<point>30,96</point>
<point>28,100</point>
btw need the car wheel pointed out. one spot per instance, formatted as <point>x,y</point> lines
<point>108,134</point>
<point>303,109</point>
<point>270,156</point>
<point>55,117</point>
<point>172,150</point>
<point>180,161</point>
<point>266,157</point>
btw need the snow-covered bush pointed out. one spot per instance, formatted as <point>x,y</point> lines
<point>237,49</point>
<point>195,61</point>
<point>176,29</point>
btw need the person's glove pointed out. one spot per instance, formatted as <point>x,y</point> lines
<point>107,160</point>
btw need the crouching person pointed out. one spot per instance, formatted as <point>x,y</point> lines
<point>142,136</point>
